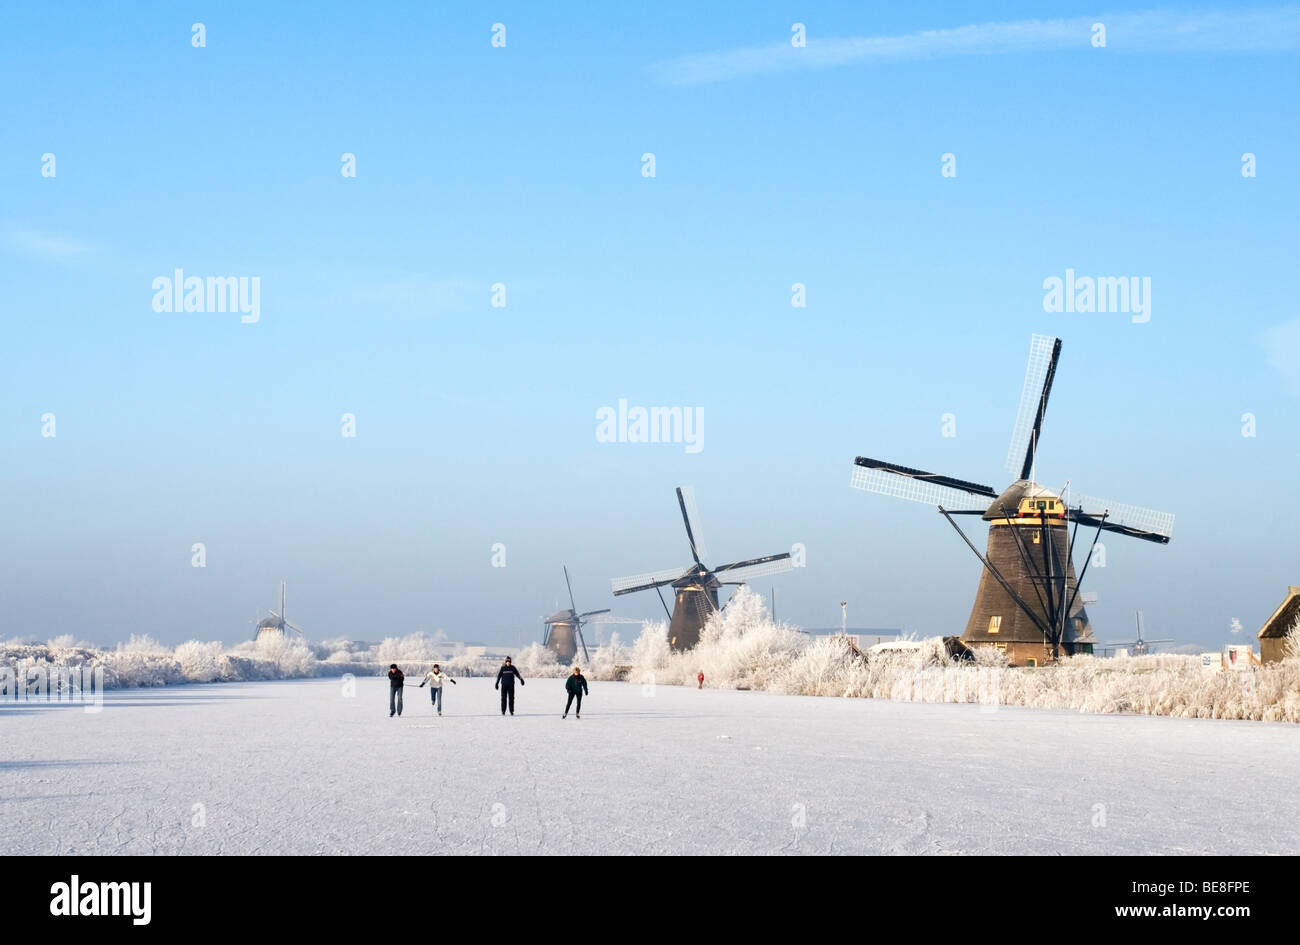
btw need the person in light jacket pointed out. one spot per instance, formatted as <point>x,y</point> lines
<point>435,678</point>
<point>576,686</point>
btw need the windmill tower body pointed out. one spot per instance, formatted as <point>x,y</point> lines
<point>695,602</point>
<point>562,636</point>
<point>1031,550</point>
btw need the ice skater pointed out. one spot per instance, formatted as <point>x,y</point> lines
<point>506,677</point>
<point>701,678</point>
<point>435,678</point>
<point>396,682</point>
<point>576,685</point>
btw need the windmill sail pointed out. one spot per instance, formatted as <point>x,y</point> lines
<point>743,571</point>
<point>644,582</point>
<point>1131,520</point>
<point>1044,352</point>
<point>691,516</point>
<point>916,485</point>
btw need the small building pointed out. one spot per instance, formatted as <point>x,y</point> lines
<point>1272,636</point>
<point>1238,657</point>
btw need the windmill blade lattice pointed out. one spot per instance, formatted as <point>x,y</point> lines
<point>760,567</point>
<point>913,489</point>
<point>691,516</point>
<point>1121,516</point>
<point>1044,350</point>
<point>642,582</point>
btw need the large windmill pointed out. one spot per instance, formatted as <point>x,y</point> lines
<point>1028,602</point>
<point>697,586</point>
<point>563,631</point>
<point>276,622</point>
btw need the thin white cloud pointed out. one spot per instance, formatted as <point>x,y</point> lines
<point>1257,29</point>
<point>45,246</point>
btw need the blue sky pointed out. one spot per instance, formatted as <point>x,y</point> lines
<point>522,165</point>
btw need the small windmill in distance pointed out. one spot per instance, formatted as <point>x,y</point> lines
<point>1140,646</point>
<point>563,632</point>
<point>277,622</point>
<point>697,586</point>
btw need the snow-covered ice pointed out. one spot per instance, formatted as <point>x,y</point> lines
<point>297,767</point>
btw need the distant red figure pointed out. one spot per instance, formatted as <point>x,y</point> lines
<point>701,679</point>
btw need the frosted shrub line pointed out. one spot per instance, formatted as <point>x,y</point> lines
<point>740,648</point>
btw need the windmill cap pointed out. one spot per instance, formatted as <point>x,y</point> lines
<point>1013,494</point>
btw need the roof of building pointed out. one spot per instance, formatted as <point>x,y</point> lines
<point>1284,618</point>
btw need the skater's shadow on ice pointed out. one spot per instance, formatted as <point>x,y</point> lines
<point>117,699</point>
<point>556,715</point>
<point>18,765</point>
<point>178,696</point>
<point>40,797</point>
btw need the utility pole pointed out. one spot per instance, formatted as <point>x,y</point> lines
<point>844,617</point>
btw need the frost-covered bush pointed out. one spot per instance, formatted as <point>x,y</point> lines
<point>1291,642</point>
<point>537,660</point>
<point>204,662</point>
<point>414,648</point>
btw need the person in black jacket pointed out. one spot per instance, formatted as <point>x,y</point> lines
<point>396,680</point>
<point>576,685</point>
<point>506,677</point>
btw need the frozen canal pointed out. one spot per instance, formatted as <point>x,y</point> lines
<point>299,767</point>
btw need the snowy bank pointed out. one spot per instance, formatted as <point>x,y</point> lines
<point>740,648</point>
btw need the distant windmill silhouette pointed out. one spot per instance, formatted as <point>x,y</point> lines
<point>1138,647</point>
<point>277,622</point>
<point>697,586</point>
<point>563,631</point>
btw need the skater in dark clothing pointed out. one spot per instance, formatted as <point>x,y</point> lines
<point>396,680</point>
<point>506,677</point>
<point>576,685</point>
